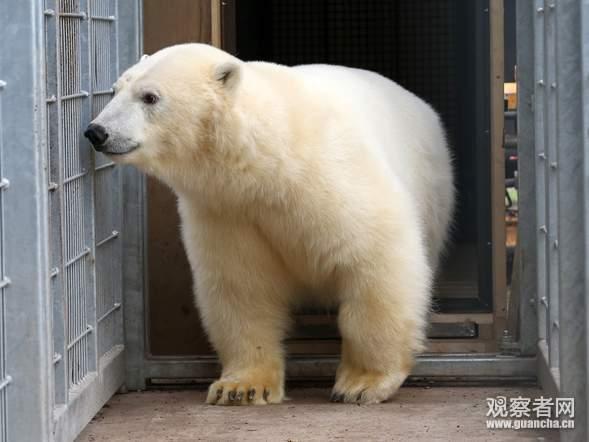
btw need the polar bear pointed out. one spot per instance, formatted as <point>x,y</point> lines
<point>300,184</point>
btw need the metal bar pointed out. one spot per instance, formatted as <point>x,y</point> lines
<point>103,92</point>
<point>104,166</point>
<point>81,94</point>
<point>112,236</point>
<point>77,257</point>
<point>89,329</point>
<point>109,312</point>
<point>75,177</point>
<point>80,15</point>
<point>5,382</point>
<point>540,166</point>
<point>5,282</point>
<point>458,367</point>
<point>109,18</point>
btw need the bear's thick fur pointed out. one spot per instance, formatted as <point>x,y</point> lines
<point>316,184</point>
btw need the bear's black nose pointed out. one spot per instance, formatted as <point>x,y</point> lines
<point>97,135</point>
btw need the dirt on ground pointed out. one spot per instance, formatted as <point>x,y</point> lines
<point>415,414</point>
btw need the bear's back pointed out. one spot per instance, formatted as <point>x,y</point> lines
<point>407,134</point>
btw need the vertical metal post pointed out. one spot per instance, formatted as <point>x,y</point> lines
<point>134,219</point>
<point>24,200</point>
<point>572,203</point>
<point>550,163</point>
<point>527,241</point>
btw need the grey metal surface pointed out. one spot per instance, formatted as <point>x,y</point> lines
<point>455,367</point>
<point>134,220</point>
<point>572,193</point>
<point>559,102</point>
<point>527,333</point>
<point>26,399</point>
<point>61,270</point>
<point>89,195</point>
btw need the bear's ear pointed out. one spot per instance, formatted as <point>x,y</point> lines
<point>228,74</point>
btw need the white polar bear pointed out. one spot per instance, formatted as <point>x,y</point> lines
<point>315,179</point>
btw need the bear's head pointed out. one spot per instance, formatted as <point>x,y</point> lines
<point>164,115</point>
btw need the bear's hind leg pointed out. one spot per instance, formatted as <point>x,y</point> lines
<point>382,323</point>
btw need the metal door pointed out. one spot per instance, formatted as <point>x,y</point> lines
<point>62,352</point>
<point>82,44</point>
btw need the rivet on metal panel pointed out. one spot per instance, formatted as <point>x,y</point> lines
<point>540,10</point>
<point>2,84</point>
<point>4,282</point>
<point>551,5</point>
<point>543,229</point>
<point>51,99</point>
<point>52,186</point>
<point>553,85</point>
<point>49,12</point>
<point>85,93</point>
<point>555,324</point>
<point>54,272</point>
<point>56,358</point>
<point>555,244</point>
<point>542,155</point>
<point>540,82</point>
<point>4,183</point>
<point>533,302</point>
<point>544,301</point>
<point>554,165</point>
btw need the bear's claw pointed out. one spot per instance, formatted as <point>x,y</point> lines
<point>336,397</point>
<point>232,392</point>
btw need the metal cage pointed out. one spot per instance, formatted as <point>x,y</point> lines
<point>61,225</point>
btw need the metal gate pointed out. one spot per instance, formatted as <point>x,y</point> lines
<point>61,221</point>
<point>553,143</point>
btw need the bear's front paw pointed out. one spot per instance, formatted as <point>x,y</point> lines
<point>245,391</point>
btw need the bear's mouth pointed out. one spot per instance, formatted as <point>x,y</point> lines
<point>120,151</point>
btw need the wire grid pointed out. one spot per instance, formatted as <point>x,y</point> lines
<point>85,190</point>
<point>107,182</point>
<point>404,41</point>
<point>74,235</point>
<point>4,281</point>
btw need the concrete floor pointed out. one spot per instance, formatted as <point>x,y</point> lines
<point>417,413</point>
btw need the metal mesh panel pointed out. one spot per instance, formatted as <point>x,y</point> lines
<point>85,189</point>
<point>4,281</point>
<point>107,184</point>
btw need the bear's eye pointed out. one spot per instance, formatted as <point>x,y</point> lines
<point>149,98</point>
